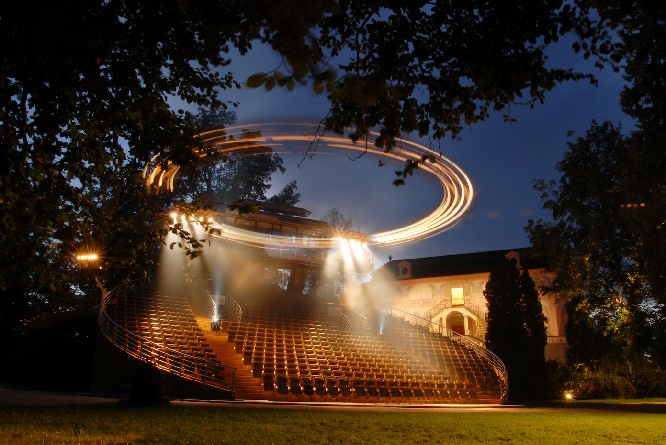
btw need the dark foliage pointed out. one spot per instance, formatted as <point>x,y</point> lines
<point>148,387</point>
<point>607,238</point>
<point>516,330</point>
<point>86,88</point>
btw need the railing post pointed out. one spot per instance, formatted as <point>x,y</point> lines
<point>233,384</point>
<point>158,355</point>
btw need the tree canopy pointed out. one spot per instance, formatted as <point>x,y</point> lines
<point>235,178</point>
<point>336,220</point>
<point>436,67</point>
<point>643,99</point>
<point>222,180</point>
<point>606,239</point>
<point>616,317</point>
<point>88,87</point>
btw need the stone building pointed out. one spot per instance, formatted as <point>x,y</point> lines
<point>448,291</point>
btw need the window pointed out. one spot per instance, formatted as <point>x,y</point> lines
<point>457,298</point>
<point>404,270</point>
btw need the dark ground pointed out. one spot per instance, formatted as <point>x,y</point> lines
<point>15,395</point>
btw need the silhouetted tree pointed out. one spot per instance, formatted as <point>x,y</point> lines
<point>87,92</point>
<point>222,180</point>
<point>213,119</point>
<point>615,318</point>
<point>644,49</point>
<point>516,330</point>
<point>287,196</point>
<point>535,322</point>
<point>336,220</point>
<point>607,238</point>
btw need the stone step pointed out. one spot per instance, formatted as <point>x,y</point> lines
<point>245,385</point>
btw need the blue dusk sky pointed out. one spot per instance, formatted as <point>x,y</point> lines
<point>501,159</point>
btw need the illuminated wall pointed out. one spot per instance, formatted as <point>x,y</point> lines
<point>456,302</point>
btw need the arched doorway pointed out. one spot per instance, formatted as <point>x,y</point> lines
<point>455,322</point>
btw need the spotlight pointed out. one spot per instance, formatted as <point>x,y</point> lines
<point>215,324</point>
<point>568,396</point>
<point>345,250</point>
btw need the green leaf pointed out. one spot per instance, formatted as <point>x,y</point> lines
<point>256,80</point>
<point>270,83</point>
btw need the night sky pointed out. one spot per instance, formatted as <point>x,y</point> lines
<point>502,159</point>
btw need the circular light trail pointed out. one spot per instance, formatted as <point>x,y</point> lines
<point>457,188</point>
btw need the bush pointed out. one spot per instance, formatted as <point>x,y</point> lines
<point>586,383</point>
<point>649,380</point>
<point>147,387</point>
<point>603,385</point>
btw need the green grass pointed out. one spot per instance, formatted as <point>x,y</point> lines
<point>178,424</point>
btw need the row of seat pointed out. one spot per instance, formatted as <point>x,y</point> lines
<point>464,361</point>
<point>368,394</point>
<point>322,356</point>
<point>295,352</point>
<point>161,329</point>
<point>300,348</point>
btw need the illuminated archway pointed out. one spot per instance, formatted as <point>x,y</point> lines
<point>455,322</point>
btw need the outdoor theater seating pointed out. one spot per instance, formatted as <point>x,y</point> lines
<point>293,352</point>
<point>404,363</point>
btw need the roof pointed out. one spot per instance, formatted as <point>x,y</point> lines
<point>281,209</point>
<point>450,265</point>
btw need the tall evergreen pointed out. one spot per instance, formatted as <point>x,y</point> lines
<point>535,320</point>
<point>516,331</point>
<point>502,294</point>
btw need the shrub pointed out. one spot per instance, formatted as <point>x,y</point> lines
<point>147,387</point>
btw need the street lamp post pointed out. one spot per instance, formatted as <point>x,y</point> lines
<point>90,261</point>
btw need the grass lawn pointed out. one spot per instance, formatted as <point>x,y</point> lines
<point>178,424</point>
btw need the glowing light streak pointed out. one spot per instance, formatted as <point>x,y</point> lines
<point>457,188</point>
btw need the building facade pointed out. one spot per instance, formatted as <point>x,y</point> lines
<point>448,291</point>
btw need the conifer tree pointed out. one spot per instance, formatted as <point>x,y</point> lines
<point>502,294</point>
<point>535,320</point>
<point>516,331</point>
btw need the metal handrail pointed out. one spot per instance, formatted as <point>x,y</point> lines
<point>446,304</point>
<point>475,310</point>
<point>232,311</point>
<point>212,307</point>
<point>354,320</point>
<point>359,321</point>
<point>481,350</point>
<point>336,315</point>
<point>208,372</point>
<point>471,342</point>
<point>412,319</point>
<point>439,307</point>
